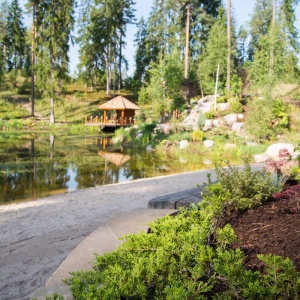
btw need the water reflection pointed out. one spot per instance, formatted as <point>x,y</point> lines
<point>32,168</point>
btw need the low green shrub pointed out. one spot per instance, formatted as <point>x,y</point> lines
<point>236,107</point>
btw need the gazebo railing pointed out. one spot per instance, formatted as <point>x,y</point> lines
<point>109,121</point>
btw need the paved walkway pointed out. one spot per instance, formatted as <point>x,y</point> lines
<point>36,237</point>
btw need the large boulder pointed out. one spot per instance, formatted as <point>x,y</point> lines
<point>273,150</point>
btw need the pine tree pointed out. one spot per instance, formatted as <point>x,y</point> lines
<point>101,39</point>
<point>55,21</point>
<point>15,38</point>
<point>259,24</point>
<point>3,20</point>
<point>274,58</point>
<point>215,54</point>
<point>142,55</point>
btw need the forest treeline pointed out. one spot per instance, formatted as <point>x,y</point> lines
<point>181,49</point>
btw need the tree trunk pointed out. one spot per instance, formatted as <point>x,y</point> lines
<point>187,42</point>
<point>271,36</point>
<point>33,61</point>
<point>228,45</point>
<point>52,119</point>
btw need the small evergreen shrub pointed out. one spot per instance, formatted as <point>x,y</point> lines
<point>209,115</point>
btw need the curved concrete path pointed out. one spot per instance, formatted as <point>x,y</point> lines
<point>35,237</point>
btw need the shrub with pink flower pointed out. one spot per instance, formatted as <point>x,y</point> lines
<point>283,166</point>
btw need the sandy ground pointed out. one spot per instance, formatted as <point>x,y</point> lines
<point>35,237</point>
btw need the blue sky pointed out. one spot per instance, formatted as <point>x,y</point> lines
<point>242,9</point>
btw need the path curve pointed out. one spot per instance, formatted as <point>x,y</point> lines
<point>36,236</point>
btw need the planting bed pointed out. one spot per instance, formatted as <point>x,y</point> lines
<point>271,228</point>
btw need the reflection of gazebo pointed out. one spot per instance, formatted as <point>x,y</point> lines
<point>125,112</point>
<point>116,158</point>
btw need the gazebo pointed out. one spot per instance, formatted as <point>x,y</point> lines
<point>124,116</point>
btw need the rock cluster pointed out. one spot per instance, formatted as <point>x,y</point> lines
<point>206,104</point>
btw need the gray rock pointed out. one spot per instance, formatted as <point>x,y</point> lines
<point>208,123</point>
<point>216,123</point>
<point>273,150</point>
<point>183,144</point>
<point>230,119</point>
<point>237,126</point>
<point>149,149</point>
<point>260,158</point>
<point>208,143</point>
<point>223,106</point>
<point>230,146</point>
<point>240,116</point>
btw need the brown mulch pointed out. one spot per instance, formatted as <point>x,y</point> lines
<point>269,229</point>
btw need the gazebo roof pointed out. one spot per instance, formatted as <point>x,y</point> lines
<point>119,103</point>
<point>115,158</point>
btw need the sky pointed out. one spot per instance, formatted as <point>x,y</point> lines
<point>242,10</point>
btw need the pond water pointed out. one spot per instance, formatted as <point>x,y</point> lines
<point>35,167</point>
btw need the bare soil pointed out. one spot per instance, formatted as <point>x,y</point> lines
<point>273,228</point>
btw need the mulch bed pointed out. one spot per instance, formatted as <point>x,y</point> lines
<point>273,228</point>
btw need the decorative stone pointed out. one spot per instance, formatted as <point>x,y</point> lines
<point>208,123</point>
<point>240,116</point>
<point>230,119</point>
<point>149,149</point>
<point>208,143</point>
<point>207,162</point>
<point>251,144</point>
<point>237,126</point>
<point>260,158</point>
<point>230,146</point>
<point>139,135</point>
<point>182,160</point>
<point>273,150</point>
<point>223,106</point>
<point>216,123</point>
<point>183,144</point>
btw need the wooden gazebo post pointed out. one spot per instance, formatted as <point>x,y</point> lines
<point>105,117</point>
<point>122,117</point>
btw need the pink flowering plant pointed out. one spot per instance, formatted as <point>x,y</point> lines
<point>291,198</point>
<point>284,168</point>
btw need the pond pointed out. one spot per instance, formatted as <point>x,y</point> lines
<point>35,167</point>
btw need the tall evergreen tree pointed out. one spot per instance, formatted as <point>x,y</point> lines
<point>3,20</point>
<point>15,37</point>
<point>141,55</point>
<point>277,46</point>
<point>54,28</point>
<point>101,38</point>
<point>259,24</point>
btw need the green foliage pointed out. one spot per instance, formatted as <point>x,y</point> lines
<point>178,103</point>
<point>237,190</point>
<point>198,135</point>
<point>209,115</point>
<point>266,118</point>
<point>222,99</point>
<point>166,79</point>
<point>236,107</point>
<point>201,120</point>
<point>295,172</point>
<point>279,110</point>
<point>215,54</point>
